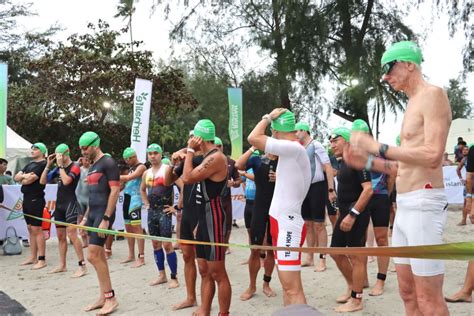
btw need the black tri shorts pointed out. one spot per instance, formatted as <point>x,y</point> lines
<point>34,207</point>
<point>67,212</point>
<point>379,208</point>
<point>314,205</point>
<point>260,225</point>
<point>95,217</point>
<point>248,211</point>
<point>212,227</point>
<point>356,237</point>
<point>189,222</point>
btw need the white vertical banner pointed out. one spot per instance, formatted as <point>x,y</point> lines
<point>141,117</point>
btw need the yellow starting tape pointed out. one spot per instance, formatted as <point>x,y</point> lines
<point>451,251</point>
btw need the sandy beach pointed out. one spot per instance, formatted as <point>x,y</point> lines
<point>44,294</point>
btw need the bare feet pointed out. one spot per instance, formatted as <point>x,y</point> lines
<point>39,265</point>
<point>321,266</point>
<point>352,305</point>
<point>173,284</point>
<point>459,297</point>
<point>138,263</point>
<point>80,272</point>
<point>267,290</point>
<point>344,297</point>
<point>198,312</point>
<point>58,270</point>
<point>378,288</point>
<point>95,306</point>
<point>184,304</point>
<point>28,261</point>
<point>127,260</point>
<point>160,280</point>
<point>248,294</point>
<point>109,307</point>
<point>462,223</point>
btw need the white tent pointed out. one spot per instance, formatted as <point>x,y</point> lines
<point>18,149</point>
<point>460,128</point>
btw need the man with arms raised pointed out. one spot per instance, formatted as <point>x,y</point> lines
<point>33,203</point>
<point>104,188</point>
<point>421,201</point>
<point>293,180</point>
<point>212,175</point>
<point>67,207</point>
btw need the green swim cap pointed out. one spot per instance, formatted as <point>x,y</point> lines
<point>205,129</point>
<point>360,126</point>
<point>217,141</point>
<point>41,147</point>
<point>62,149</point>
<point>303,126</point>
<point>166,161</point>
<point>397,140</point>
<point>128,153</point>
<point>154,148</point>
<point>403,51</point>
<point>256,153</point>
<point>285,122</point>
<point>344,132</point>
<point>89,139</point>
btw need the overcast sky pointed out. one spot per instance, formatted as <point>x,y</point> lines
<point>442,54</point>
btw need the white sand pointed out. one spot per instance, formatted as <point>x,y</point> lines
<point>44,294</point>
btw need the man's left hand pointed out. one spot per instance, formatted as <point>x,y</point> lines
<point>276,113</point>
<point>347,223</point>
<point>355,157</point>
<point>364,142</point>
<point>103,225</point>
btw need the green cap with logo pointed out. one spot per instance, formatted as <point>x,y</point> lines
<point>285,122</point>
<point>154,148</point>
<point>62,149</point>
<point>205,129</point>
<point>128,153</point>
<point>217,141</point>
<point>89,139</point>
<point>360,126</point>
<point>397,141</point>
<point>256,153</point>
<point>403,51</point>
<point>41,147</point>
<point>302,126</point>
<point>344,132</point>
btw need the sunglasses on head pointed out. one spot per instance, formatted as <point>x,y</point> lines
<point>387,68</point>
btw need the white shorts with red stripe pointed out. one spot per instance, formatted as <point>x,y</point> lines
<point>288,230</point>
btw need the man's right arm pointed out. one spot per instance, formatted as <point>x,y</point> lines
<point>241,163</point>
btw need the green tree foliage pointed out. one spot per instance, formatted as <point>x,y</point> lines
<point>458,98</point>
<point>70,82</point>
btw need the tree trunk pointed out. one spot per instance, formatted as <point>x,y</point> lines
<point>283,83</point>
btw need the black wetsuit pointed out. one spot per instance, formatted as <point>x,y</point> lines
<point>349,189</point>
<point>103,175</point>
<point>259,224</point>
<point>67,206</point>
<point>189,217</point>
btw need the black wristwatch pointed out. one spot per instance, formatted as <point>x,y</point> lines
<point>106,218</point>
<point>382,150</point>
